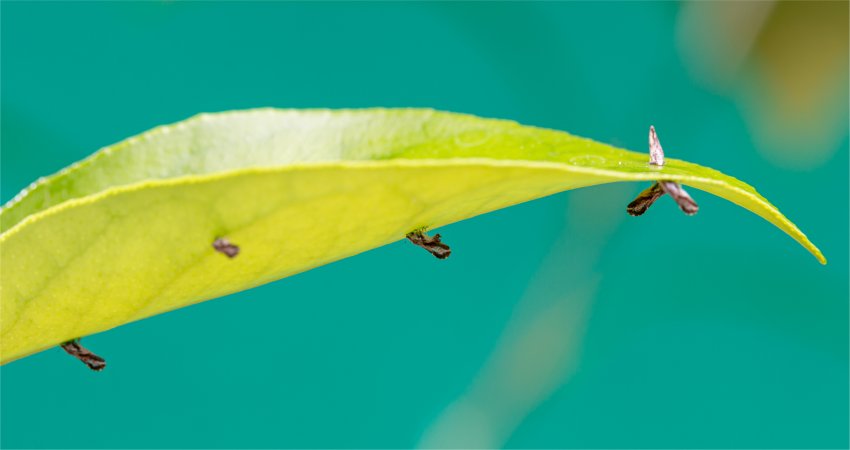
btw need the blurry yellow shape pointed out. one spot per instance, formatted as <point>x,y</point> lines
<point>540,348</point>
<point>787,65</point>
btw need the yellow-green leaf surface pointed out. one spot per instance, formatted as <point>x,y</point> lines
<point>127,233</point>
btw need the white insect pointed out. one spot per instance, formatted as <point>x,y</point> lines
<point>656,153</point>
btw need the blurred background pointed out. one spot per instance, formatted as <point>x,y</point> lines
<point>560,341</point>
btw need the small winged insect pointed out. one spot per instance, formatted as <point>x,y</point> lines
<point>646,198</point>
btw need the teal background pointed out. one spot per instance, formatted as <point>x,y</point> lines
<point>739,340</point>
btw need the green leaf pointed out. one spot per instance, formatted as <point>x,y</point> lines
<point>128,232</point>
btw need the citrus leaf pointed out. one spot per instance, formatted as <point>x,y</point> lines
<point>223,202</point>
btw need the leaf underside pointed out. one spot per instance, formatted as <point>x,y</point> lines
<point>127,233</point>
